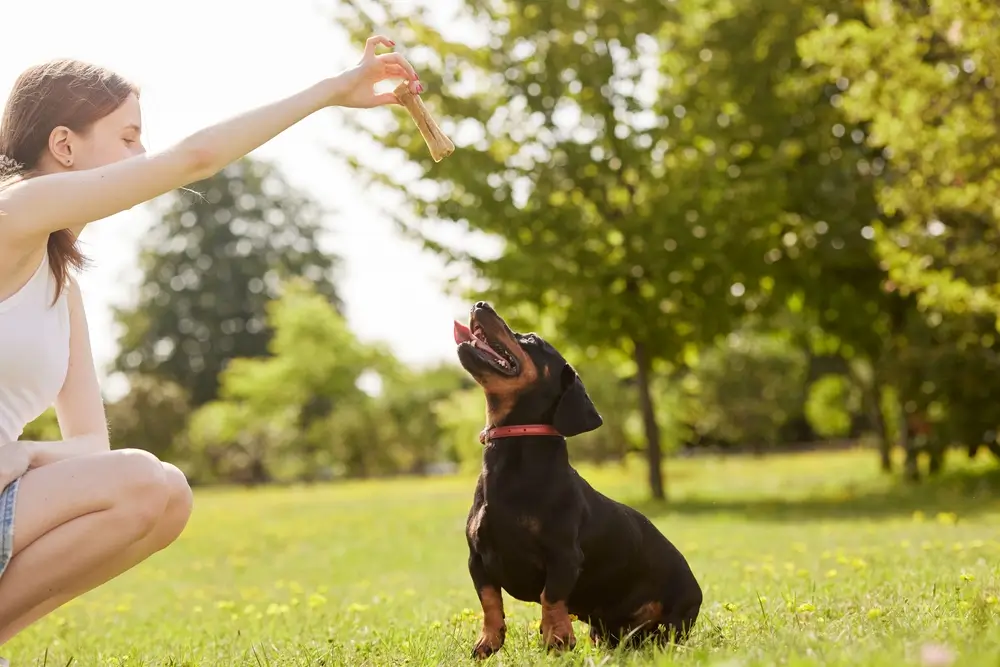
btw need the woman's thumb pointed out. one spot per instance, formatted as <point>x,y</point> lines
<point>383,99</point>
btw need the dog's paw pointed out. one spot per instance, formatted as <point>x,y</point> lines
<point>490,641</point>
<point>559,637</point>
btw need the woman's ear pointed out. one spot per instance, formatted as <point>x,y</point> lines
<point>61,145</point>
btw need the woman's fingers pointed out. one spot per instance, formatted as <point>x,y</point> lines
<point>397,59</point>
<point>382,99</point>
<point>397,72</point>
<point>373,42</point>
<point>390,66</point>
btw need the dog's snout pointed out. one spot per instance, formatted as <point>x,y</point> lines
<point>483,305</point>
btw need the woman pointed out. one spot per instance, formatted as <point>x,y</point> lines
<point>73,513</point>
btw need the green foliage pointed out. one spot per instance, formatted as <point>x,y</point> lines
<point>462,416</point>
<point>651,173</point>
<point>614,394</point>
<point>269,418</point>
<point>830,404</point>
<point>811,182</point>
<point>405,401</point>
<point>152,416</point>
<point>301,413</point>
<point>211,264</point>
<point>922,77</point>
<point>747,388</point>
<point>45,428</point>
<point>562,160</point>
<point>230,442</point>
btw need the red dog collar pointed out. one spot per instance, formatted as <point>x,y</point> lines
<point>515,431</point>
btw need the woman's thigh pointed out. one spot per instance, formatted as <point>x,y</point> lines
<point>62,491</point>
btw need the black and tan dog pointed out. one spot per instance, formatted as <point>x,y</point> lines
<point>537,529</point>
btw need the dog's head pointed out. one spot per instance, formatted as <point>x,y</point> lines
<point>526,380</point>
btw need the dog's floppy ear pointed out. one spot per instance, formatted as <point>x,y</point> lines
<point>575,412</point>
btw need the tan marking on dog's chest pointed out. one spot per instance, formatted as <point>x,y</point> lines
<point>475,523</point>
<point>531,523</point>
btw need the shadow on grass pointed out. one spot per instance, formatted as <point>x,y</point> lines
<point>962,492</point>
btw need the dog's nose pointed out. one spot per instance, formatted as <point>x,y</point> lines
<point>482,304</point>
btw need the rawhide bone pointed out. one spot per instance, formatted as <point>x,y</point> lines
<point>438,143</point>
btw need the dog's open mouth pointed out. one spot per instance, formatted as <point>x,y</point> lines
<point>489,350</point>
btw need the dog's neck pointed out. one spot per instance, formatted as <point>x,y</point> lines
<point>490,434</point>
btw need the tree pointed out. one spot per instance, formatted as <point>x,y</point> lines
<point>211,264</point>
<point>748,388</point>
<point>922,77</point>
<point>151,416</point>
<point>405,399</point>
<point>597,199</point>
<point>273,415</point>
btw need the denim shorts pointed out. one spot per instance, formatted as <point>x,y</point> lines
<point>8,500</point>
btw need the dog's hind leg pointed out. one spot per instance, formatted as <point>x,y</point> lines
<point>673,626</point>
<point>494,631</point>
<point>677,625</point>
<point>601,635</point>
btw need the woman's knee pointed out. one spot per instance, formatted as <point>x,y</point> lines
<point>179,504</point>
<point>144,487</point>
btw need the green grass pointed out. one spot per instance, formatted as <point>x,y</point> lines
<point>807,559</point>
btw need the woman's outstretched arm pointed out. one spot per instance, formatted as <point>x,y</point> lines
<point>34,208</point>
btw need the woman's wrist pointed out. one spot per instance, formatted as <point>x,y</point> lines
<point>42,453</point>
<point>332,90</point>
<point>31,451</point>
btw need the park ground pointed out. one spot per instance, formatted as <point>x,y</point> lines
<point>807,559</point>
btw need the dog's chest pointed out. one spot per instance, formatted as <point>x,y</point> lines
<point>510,549</point>
<point>508,532</point>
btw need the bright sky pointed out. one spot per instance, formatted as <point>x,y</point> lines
<point>199,61</point>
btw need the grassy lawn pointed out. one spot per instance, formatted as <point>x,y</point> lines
<point>804,559</point>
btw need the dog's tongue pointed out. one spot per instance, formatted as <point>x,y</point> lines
<point>463,334</point>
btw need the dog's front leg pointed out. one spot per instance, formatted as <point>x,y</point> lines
<point>494,631</point>
<point>562,568</point>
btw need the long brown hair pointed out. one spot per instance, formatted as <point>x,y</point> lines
<point>59,93</point>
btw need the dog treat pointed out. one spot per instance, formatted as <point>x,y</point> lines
<point>438,143</point>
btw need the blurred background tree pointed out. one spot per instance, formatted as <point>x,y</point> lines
<point>210,265</point>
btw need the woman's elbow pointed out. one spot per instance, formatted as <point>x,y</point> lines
<point>199,161</point>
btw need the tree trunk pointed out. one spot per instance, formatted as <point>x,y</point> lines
<point>935,460</point>
<point>885,441</point>
<point>911,464</point>
<point>654,455</point>
<point>258,472</point>
<point>622,446</point>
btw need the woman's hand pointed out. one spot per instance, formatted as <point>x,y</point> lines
<point>14,462</point>
<point>354,87</point>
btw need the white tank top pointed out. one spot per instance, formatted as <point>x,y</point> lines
<point>34,351</point>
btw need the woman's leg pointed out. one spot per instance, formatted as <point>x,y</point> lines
<point>83,521</point>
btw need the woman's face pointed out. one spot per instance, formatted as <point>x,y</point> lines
<point>115,137</point>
